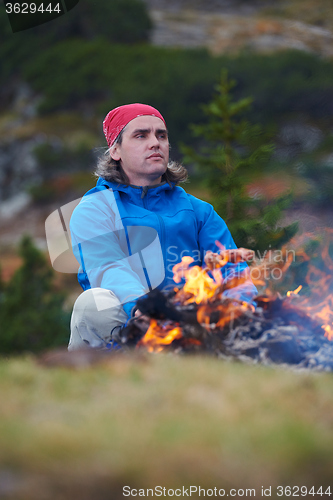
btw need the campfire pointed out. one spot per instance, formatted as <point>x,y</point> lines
<point>295,328</point>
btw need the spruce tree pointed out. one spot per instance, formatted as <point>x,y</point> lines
<point>233,147</point>
<point>31,309</point>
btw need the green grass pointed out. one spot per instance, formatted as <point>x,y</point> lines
<point>152,420</point>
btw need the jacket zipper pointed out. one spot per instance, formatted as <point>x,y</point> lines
<point>162,228</point>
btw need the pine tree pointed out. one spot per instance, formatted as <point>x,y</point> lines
<point>31,309</point>
<point>236,147</point>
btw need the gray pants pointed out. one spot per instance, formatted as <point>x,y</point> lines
<point>96,313</point>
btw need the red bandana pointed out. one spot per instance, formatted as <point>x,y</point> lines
<point>119,117</point>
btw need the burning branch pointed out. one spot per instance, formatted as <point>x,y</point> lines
<point>294,329</point>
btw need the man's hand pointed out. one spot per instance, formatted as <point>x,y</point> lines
<point>216,260</point>
<point>138,315</point>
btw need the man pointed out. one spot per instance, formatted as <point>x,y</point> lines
<point>132,228</point>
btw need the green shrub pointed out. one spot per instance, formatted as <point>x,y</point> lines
<point>283,84</point>
<point>320,177</point>
<point>233,146</point>
<point>117,21</point>
<point>120,21</point>
<point>75,72</point>
<point>53,160</point>
<point>31,309</point>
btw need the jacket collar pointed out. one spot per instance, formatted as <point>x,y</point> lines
<point>126,188</point>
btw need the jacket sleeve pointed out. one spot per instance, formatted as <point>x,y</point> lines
<point>212,229</point>
<point>100,245</point>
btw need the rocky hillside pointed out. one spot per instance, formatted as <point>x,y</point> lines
<point>229,25</point>
<point>222,26</point>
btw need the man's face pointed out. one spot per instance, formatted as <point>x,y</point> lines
<point>144,151</point>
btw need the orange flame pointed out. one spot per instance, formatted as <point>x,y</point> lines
<point>328,331</point>
<point>205,287</point>
<point>295,292</point>
<point>226,314</point>
<point>158,336</point>
<point>319,304</point>
<point>199,287</point>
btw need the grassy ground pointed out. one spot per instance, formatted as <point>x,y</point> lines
<point>161,420</point>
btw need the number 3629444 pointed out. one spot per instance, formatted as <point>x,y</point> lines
<point>31,8</point>
<point>297,491</point>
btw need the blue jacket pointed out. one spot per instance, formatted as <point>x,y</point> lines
<point>128,238</point>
